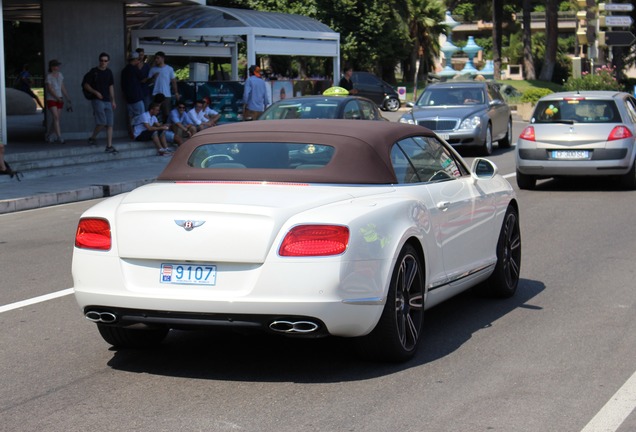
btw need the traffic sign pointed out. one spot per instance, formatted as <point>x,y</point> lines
<point>616,7</point>
<point>619,38</point>
<point>615,21</point>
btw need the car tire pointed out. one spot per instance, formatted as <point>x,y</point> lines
<point>392,104</point>
<point>506,142</point>
<point>628,180</point>
<point>504,280</point>
<point>525,181</point>
<point>123,337</point>
<point>486,148</point>
<point>397,333</point>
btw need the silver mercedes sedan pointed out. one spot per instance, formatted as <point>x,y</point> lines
<point>464,114</point>
<point>586,133</point>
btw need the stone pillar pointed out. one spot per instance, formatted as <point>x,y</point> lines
<point>76,32</point>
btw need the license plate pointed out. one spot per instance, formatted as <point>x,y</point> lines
<point>188,274</point>
<point>444,136</point>
<point>570,154</point>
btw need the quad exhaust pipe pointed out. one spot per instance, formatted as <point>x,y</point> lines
<point>101,317</point>
<point>291,327</point>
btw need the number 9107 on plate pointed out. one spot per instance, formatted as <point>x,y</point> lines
<point>188,274</point>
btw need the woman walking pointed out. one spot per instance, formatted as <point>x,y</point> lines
<point>55,94</point>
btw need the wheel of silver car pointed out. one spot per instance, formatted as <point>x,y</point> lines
<point>123,337</point>
<point>504,280</point>
<point>525,181</point>
<point>392,104</point>
<point>397,333</point>
<point>507,140</point>
<point>486,147</point>
<point>628,180</point>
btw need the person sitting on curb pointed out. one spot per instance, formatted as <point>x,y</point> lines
<point>181,125</point>
<point>197,115</point>
<point>212,115</point>
<point>148,128</point>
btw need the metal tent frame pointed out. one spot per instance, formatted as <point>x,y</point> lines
<point>210,31</point>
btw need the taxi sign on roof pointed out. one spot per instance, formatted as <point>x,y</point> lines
<point>335,91</point>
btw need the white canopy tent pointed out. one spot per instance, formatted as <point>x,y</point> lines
<point>210,31</point>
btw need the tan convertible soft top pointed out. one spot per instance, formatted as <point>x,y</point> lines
<point>362,151</point>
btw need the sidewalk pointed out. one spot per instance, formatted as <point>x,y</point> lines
<point>25,142</point>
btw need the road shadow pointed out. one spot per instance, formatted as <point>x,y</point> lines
<point>580,184</point>
<point>229,356</point>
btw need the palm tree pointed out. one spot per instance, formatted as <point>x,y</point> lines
<point>422,18</point>
<point>497,17</point>
<point>528,61</point>
<point>551,44</point>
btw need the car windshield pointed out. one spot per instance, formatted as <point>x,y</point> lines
<point>302,110</point>
<point>451,96</point>
<point>259,155</point>
<point>576,110</point>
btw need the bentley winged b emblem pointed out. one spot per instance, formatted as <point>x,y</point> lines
<point>188,225</point>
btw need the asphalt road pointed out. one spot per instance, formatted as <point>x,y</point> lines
<point>548,359</point>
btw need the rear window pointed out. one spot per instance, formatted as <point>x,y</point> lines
<point>296,110</point>
<point>576,111</point>
<point>261,155</point>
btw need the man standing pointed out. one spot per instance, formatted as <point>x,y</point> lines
<point>132,86</point>
<point>101,85</point>
<point>345,81</point>
<point>144,67</point>
<point>164,79</point>
<point>255,95</point>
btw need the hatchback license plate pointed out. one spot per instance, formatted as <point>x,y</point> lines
<point>570,154</point>
<point>188,274</point>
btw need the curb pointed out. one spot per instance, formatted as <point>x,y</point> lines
<point>12,205</point>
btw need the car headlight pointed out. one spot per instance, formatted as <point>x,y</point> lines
<point>407,120</point>
<point>470,123</point>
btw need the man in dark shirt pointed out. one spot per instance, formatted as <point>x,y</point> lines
<point>101,85</point>
<point>345,81</point>
<point>132,86</point>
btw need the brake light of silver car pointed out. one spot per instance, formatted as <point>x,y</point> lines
<point>618,133</point>
<point>93,233</point>
<point>528,134</point>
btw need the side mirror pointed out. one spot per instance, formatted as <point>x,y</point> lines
<point>410,104</point>
<point>483,169</point>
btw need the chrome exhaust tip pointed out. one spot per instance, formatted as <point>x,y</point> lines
<point>101,317</point>
<point>291,327</point>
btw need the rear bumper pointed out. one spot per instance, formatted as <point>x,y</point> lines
<point>602,162</point>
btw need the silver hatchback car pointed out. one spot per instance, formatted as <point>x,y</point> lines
<point>586,133</point>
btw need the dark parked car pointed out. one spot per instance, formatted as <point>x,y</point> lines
<point>323,107</point>
<point>464,114</point>
<point>380,92</point>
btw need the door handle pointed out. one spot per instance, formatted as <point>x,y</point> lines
<point>443,205</point>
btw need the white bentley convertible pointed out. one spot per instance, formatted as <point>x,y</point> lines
<point>302,228</point>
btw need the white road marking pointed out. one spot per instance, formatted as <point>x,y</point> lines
<point>35,300</point>
<point>616,410</point>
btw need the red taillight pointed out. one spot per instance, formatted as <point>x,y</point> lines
<point>619,132</point>
<point>315,240</point>
<point>528,134</point>
<point>93,234</point>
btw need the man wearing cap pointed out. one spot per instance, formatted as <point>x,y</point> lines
<point>102,87</point>
<point>255,95</point>
<point>132,86</point>
<point>164,78</point>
